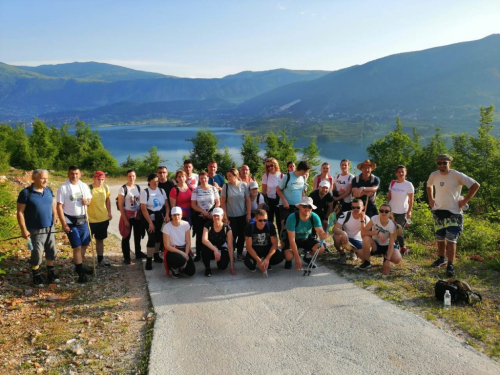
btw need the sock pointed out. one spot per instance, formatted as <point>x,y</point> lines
<point>50,268</point>
<point>79,268</point>
<point>100,258</point>
<point>441,257</point>
<point>450,263</point>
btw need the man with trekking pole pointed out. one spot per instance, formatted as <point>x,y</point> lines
<point>73,198</point>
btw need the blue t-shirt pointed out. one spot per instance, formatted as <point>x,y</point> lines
<point>293,191</point>
<point>38,211</point>
<point>304,229</point>
<point>217,178</point>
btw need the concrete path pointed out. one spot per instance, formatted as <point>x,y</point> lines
<point>290,324</point>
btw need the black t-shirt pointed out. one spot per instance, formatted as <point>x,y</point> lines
<point>366,183</point>
<point>218,239</point>
<point>167,186</point>
<point>321,204</point>
<point>261,239</point>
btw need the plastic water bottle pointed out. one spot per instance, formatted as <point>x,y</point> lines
<point>29,244</point>
<point>408,221</point>
<point>447,300</point>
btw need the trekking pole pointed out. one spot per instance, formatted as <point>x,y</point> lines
<point>90,234</point>
<point>331,220</point>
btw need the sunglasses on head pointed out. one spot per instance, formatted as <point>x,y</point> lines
<point>262,220</point>
<point>384,211</point>
<point>356,207</point>
<point>442,163</point>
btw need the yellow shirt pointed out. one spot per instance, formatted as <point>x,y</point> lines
<point>97,209</point>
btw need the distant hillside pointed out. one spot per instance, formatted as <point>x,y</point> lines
<point>443,82</point>
<point>90,85</point>
<point>91,71</point>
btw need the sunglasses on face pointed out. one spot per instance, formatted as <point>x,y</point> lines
<point>309,207</point>
<point>262,220</point>
<point>442,163</point>
<point>356,207</point>
<point>384,211</point>
<point>270,166</point>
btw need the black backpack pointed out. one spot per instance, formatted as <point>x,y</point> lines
<point>459,291</point>
<point>125,190</point>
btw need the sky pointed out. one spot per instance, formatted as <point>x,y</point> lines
<point>211,38</point>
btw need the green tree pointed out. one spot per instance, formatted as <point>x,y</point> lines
<point>224,161</point>
<point>204,148</point>
<point>250,153</point>
<point>43,149</point>
<point>286,150</point>
<point>311,155</point>
<point>151,161</point>
<point>20,153</point>
<point>272,146</point>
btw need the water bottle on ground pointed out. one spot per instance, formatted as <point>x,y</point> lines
<point>29,244</point>
<point>447,300</point>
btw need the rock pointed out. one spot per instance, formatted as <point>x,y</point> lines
<point>79,350</point>
<point>28,292</point>
<point>40,370</point>
<point>149,316</point>
<point>51,298</point>
<point>71,341</point>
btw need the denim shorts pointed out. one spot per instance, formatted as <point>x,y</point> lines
<point>79,235</point>
<point>448,229</point>
<point>357,243</point>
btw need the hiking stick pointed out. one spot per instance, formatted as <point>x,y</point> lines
<point>90,232</point>
<point>331,220</point>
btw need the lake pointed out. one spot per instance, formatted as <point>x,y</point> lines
<point>172,144</point>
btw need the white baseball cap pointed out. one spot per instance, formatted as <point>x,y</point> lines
<point>253,185</point>
<point>218,211</point>
<point>176,211</point>
<point>325,183</point>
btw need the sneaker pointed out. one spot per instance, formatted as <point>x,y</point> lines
<point>176,274</point>
<point>127,261</point>
<point>53,277</point>
<point>253,269</point>
<point>269,268</point>
<point>239,257</point>
<point>149,264</point>
<point>404,250</point>
<point>365,265</point>
<point>343,259</point>
<point>308,262</point>
<point>208,272</point>
<point>88,271</point>
<point>440,262</point>
<point>288,264</point>
<point>450,271</point>
<point>37,279</point>
<point>140,255</point>
<point>82,278</point>
<point>104,263</point>
<point>353,256</point>
<point>157,258</point>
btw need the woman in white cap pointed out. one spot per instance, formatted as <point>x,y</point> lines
<point>218,243</point>
<point>235,201</point>
<point>177,245</point>
<point>256,198</point>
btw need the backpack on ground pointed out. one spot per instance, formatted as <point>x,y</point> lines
<point>125,190</point>
<point>459,291</point>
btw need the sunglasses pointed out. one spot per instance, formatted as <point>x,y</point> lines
<point>262,220</point>
<point>270,166</point>
<point>384,211</point>
<point>442,163</point>
<point>356,207</point>
<point>309,207</point>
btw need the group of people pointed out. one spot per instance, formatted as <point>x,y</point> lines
<point>281,222</point>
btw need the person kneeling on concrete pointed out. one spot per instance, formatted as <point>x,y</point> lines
<point>217,243</point>
<point>177,244</point>
<point>299,227</point>
<point>262,243</point>
<point>378,239</point>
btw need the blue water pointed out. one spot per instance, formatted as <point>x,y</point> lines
<point>172,144</point>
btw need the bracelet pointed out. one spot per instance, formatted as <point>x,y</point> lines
<point>386,259</point>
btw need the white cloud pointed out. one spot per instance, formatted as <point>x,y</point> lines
<point>280,7</point>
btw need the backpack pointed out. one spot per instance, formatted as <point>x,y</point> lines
<point>125,190</point>
<point>372,180</point>
<point>348,178</point>
<point>252,223</point>
<point>347,217</point>
<point>164,209</point>
<point>224,228</point>
<point>106,188</point>
<point>30,191</point>
<point>459,291</point>
<point>287,180</point>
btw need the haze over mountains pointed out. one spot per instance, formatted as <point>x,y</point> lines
<point>443,83</point>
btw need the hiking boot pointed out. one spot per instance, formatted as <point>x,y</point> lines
<point>104,263</point>
<point>308,262</point>
<point>88,271</point>
<point>37,278</point>
<point>127,261</point>
<point>404,250</point>
<point>343,259</point>
<point>82,278</point>
<point>353,256</point>
<point>450,271</point>
<point>208,272</point>
<point>157,258</point>
<point>176,274</point>
<point>365,265</point>
<point>53,277</point>
<point>140,255</point>
<point>440,262</point>
<point>149,264</point>
<point>288,264</point>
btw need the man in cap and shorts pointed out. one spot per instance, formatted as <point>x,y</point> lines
<point>365,185</point>
<point>444,188</point>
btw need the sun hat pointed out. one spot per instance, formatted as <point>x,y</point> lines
<point>367,162</point>
<point>176,211</point>
<point>444,157</point>
<point>325,183</point>
<point>218,211</point>
<point>306,201</point>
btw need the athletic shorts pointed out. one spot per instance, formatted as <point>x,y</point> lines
<point>357,243</point>
<point>43,241</point>
<point>306,244</point>
<point>448,229</point>
<point>79,235</point>
<point>380,249</point>
<point>99,230</point>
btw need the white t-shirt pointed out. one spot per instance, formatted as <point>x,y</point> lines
<point>353,226</point>
<point>385,230</point>
<point>177,234</point>
<point>272,180</point>
<point>193,180</point>
<point>399,196</point>
<point>156,201</point>
<point>132,199</point>
<point>205,198</point>
<point>255,204</point>
<point>448,188</point>
<point>71,198</point>
<point>342,185</point>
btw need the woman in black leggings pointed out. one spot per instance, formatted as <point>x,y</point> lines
<point>218,244</point>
